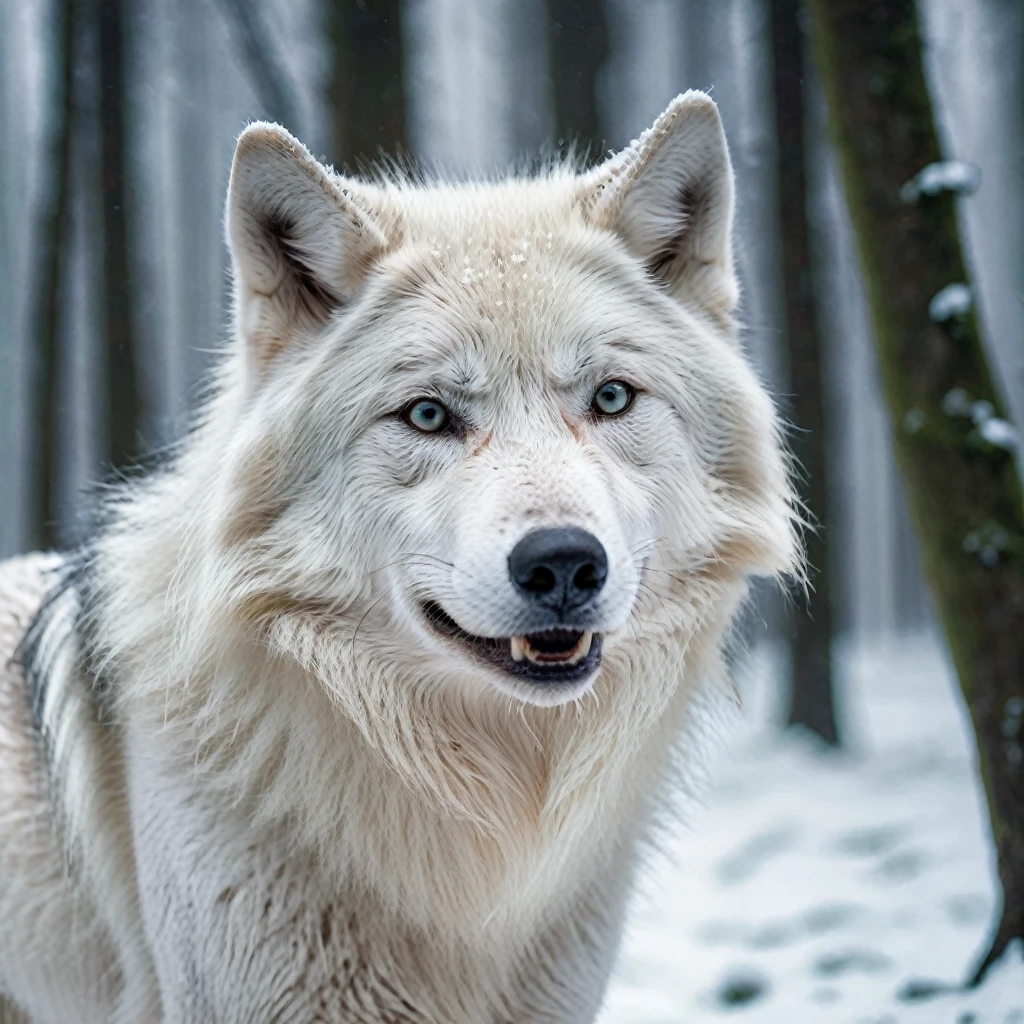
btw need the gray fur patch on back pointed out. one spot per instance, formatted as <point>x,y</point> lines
<point>50,656</point>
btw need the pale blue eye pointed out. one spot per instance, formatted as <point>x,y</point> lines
<point>427,416</point>
<point>613,397</point>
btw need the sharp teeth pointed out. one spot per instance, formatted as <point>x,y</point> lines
<point>582,648</point>
<point>521,649</point>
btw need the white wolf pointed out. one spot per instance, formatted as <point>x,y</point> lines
<point>361,709</point>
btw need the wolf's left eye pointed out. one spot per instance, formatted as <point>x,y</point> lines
<point>426,415</point>
<point>613,398</point>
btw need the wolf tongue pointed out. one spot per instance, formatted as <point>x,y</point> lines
<point>555,641</point>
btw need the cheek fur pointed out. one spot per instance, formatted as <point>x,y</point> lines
<point>402,484</point>
<point>396,456</point>
<point>642,450</point>
<point>642,438</point>
<point>654,472</point>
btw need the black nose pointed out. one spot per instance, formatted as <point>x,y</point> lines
<point>561,568</point>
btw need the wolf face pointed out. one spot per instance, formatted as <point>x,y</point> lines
<point>498,430</point>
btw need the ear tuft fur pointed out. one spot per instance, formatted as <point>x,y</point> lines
<point>669,195</point>
<point>299,244</point>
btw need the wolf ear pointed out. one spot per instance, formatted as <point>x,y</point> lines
<point>669,196</point>
<point>300,246</point>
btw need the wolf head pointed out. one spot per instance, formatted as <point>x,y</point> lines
<point>500,430</point>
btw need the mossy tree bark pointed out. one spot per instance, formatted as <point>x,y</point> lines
<point>367,90</point>
<point>811,702</point>
<point>949,427</point>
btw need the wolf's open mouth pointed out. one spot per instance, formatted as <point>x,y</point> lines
<point>551,656</point>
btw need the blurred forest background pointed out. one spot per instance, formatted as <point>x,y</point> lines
<point>118,120</point>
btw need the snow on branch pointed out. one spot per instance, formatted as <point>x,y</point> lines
<point>947,176</point>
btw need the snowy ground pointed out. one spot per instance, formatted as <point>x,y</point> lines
<point>821,888</point>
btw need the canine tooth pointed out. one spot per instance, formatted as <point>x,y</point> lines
<point>518,645</point>
<point>582,648</point>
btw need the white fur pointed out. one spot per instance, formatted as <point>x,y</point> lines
<point>294,800</point>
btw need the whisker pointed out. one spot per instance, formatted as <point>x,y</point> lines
<point>646,588</point>
<point>408,588</point>
<point>643,547</point>
<point>401,560</point>
<point>362,619</point>
<point>409,559</point>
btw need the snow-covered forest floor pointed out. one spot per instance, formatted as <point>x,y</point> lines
<point>813,887</point>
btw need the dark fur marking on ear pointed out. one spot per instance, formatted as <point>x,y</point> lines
<point>690,200</point>
<point>317,298</point>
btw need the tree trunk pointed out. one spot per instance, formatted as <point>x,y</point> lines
<point>578,48</point>
<point>368,81</point>
<point>123,405</point>
<point>952,440</point>
<point>51,241</point>
<point>811,703</point>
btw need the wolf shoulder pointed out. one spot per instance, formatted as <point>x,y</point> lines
<point>39,911</point>
<point>24,584</point>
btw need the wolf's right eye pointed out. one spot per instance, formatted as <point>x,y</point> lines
<point>613,398</point>
<point>426,415</point>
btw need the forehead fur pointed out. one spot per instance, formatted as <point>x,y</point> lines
<point>520,263</point>
<point>476,212</point>
<point>505,244</point>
